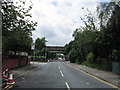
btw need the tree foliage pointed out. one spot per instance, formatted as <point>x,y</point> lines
<point>16,27</point>
<point>109,14</point>
<point>102,41</point>
<point>41,50</point>
<point>40,43</point>
<point>85,38</point>
<point>72,55</point>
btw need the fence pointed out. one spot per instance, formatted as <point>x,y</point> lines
<point>116,67</point>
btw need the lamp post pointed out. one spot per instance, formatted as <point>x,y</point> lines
<point>45,53</point>
<point>33,48</point>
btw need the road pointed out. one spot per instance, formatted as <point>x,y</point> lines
<point>58,74</point>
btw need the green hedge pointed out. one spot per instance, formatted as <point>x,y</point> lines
<point>38,58</point>
<point>90,57</point>
<point>99,67</point>
<point>72,55</point>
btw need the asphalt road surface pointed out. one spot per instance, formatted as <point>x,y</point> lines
<point>58,74</point>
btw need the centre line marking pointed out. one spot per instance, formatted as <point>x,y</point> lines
<point>67,85</point>
<point>61,73</point>
<point>59,67</point>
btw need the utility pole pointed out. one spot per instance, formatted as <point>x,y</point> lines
<point>45,53</point>
<point>33,48</point>
<point>34,57</point>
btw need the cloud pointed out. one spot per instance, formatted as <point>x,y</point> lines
<point>47,31</point>
<point>57,19</point>
<point>54,3</point>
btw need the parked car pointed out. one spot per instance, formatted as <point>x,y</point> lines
<point>49,60</point>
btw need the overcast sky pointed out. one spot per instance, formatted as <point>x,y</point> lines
<point>57,19</point>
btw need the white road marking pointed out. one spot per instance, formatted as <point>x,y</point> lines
<point>23,78</point>
<point>68,87</point>
<point>59,67</point>
<point>43,63</point>
<point>61,73</point>
<point>88,83</point>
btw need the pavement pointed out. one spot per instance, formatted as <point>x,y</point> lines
<point>17,72</point>
<point>104,75</point>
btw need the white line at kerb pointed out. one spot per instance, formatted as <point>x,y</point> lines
<point>61,73</point>
<point>59,67</point>
<point>67,85</point>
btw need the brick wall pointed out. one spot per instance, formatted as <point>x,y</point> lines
<point>15,62</point>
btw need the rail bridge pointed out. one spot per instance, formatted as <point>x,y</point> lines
<point>56,49</point>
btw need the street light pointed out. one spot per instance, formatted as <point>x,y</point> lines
<point>33,48</point>
<point>46,52</point>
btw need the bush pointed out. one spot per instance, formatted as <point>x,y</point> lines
<point>99,67</point>
<point>90,57</point>
<point>37,58</point>
<point>72,56</point>
<point>98,60</point>
<point>115,56</point>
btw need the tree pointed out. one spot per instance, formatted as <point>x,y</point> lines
<point>50,54</point>
<point>72,55</point>
<point>69,46</point>
<point>40,43</point>
<point>16,27</point>
<point>109,15</point>
<point>95,44</point>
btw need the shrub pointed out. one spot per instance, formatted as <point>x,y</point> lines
<point>78,62</point>
<point>90,57</point>
<point>99,67</point>
<point>115,56</point>
<point>98,61</point>
<point>37,58</point>
<point>72,56</point>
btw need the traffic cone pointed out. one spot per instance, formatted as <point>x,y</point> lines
<point>10,79</point>
<point>5,74</point>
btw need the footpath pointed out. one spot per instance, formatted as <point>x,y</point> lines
<point>104,75</point>
<point>17,72</point>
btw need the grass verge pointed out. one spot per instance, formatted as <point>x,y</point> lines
<point>99,67</point>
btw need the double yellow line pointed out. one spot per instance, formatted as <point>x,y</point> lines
<point>113,86</point>
<point>8,87</point>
